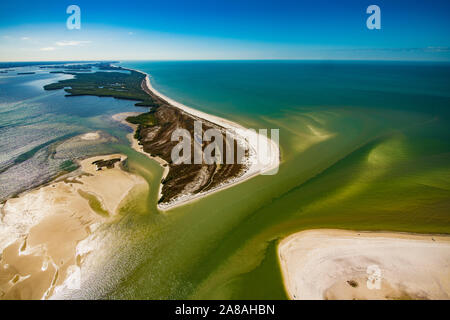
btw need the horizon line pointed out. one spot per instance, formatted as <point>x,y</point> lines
<point>200,60</point>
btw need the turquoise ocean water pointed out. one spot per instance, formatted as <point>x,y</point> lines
<point>262,88</point>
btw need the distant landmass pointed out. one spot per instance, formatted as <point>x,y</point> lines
<point>4,65</point>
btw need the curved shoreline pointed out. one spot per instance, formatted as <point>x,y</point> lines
<point>335,264</point>
<point>254,166</point>
<point>120,117</point>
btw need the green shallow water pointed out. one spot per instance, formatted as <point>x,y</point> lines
<point>358,152</point>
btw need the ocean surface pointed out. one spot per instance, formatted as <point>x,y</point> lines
<point>364,145</point>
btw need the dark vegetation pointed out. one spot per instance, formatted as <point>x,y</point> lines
<point>4,65</point>
<point>352,283</point>
<point>109,164</point>
<point>183,178</point>
<point>86,66</point>
<point>83,66</point>
<point>118,85</point>
<point>144,119</point>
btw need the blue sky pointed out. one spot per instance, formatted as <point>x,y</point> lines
<point>228,29</point>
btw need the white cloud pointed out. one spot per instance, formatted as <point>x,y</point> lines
<point>47,49</point>
<point>130,33</point>
<point>71,43</point>
<point>25,38</point>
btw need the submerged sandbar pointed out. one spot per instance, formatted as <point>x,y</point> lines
<point>41,229</point>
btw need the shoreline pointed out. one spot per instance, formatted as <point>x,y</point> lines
<point>336,264</point>
<point>120,117</point>
<point>254,167</point>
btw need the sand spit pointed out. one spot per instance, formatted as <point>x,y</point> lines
<point>120,117</point>
<point>338,264</point>
<point>40,230</point>
<point>256,163</point>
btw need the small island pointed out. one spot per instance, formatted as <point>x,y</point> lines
<point>154,128</point>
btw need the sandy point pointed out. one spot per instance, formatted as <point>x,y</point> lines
<point>340,264</point>
<point>121,117</point>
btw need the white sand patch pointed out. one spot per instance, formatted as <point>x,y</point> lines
<point>338,264</point>
<point>90,136</point>
<point>120,117</point>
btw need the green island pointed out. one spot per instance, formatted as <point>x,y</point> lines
<point>119,85</point>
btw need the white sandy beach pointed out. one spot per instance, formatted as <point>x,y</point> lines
<point>339,264</point>
<point>41,229</point>
<point>257,163</point>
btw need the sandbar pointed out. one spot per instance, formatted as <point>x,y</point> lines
<point>346,265</point>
